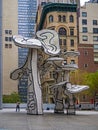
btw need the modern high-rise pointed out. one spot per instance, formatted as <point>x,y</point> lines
<point>26,27</point>
<point>8,51</point>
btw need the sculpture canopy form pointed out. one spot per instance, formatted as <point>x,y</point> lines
<point>48,41</point>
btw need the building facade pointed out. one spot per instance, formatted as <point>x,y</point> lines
<point>9,56</point>
<point>88,37</point>
<point>62,18</point>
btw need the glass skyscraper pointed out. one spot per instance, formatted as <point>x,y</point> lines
<point>26,24</point>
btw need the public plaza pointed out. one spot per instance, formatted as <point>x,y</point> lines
<point>82,120</point>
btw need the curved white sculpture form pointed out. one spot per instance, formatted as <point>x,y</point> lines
<point>48,40</point>
<point>71,53</point>
<point>75,88</point>
<point>63,85</point>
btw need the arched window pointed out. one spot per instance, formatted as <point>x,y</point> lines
<point>50,18</point>
<point>71,18</point>
<point>59,18</point>
<point>64,18</point>
<point>62,31</point>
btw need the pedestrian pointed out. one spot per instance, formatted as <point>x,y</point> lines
<point>18,107</point>
<point>79,106</point>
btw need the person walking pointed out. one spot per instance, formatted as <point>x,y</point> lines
<point>17,107</point>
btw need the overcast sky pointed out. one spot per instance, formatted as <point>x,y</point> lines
<point>83,1</point>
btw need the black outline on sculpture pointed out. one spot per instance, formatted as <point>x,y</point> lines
<point>48,41</point>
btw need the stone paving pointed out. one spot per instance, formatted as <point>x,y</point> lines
<point>83,120</point>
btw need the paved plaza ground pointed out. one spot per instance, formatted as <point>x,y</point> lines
<point>83,120</point>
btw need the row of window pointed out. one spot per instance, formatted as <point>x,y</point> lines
<point>61,18</point>
<point>8,45</point>
<point>94,22</point>
<point>85,38</point>
<point>85,30</point>
<point>63,42</point>
<point>8,32</point>
<point>8,39</point>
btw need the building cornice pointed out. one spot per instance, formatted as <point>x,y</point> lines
<point>59,7</point>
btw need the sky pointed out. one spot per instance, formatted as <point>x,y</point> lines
<point>83,1</point>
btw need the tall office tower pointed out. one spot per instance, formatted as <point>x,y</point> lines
<point>26,24</point>
<point>8,51</point>
<point>88,37</point>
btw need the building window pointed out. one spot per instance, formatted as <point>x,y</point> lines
<point>95,22</point>
<point>6,39</point>
<point>95,38</point>
<point>85,38</point>
<point>85,53</point>
<point>71,31</point>
<point>65,50</point>
<point>59,18</point>
<point>60,41</point>
<point>64,62</point>
<point>6,32</point>
<point>10,31</point>
<point>50,18</point>
<point>85,65</point>
<point>71,18</point>
<point>62,18</point>
<point>64,42</point>
<point>10,45</point>
<point>43,3</point>
<point>62,31</point>
<point>95,47</point>
<point>84,21</point>
<point>72,43</point>
<point>6,45</point>
<point>84,29</point>
<point>95,30</point>
<point>72,62</point>
<point>84,14</point>
<point>10,39</point>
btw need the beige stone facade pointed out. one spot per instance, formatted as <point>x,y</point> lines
<point>10,51</point>
<point>65,23</point>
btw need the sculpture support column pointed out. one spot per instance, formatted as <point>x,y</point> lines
<point>58,99</point>
<point>34,96</point>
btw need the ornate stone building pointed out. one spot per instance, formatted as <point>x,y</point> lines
<point>62,18</point>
